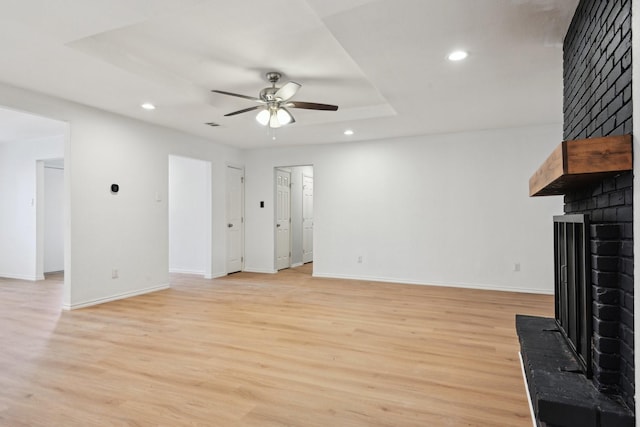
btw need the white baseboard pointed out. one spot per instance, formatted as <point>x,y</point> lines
<point>526,391</point>
<point>297,264</point>
<point>215,275</point>
<point>115,297</point>
<point>183,271</point>
<point>198,273</point>
<point>447,285</point>
<point>258,270</point>
<point>22,277</point>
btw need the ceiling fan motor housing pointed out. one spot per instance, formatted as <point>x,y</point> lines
<point>268,94</point>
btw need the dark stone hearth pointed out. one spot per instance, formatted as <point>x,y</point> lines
<point>560,394</point>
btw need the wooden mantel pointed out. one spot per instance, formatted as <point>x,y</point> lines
<point>581,162</point>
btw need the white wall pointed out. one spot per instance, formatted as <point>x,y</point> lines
<point>445,209</point>
<point>53,219</point>
<point>189,215</point>
<point>18,255</point>
<point>128,232</point>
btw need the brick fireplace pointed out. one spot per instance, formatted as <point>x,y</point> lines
<point>609,206</point>
<point>597,110</point>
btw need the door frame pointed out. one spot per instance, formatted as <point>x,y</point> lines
<point>303,217</point>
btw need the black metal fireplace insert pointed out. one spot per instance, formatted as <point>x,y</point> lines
<point>573,285</point>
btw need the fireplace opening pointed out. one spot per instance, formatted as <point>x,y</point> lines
<point>573,285</point>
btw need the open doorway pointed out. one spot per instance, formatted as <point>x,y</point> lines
<point>50,217</point>
<point>190,213</point>
<point>25,141</point>
<point>294,216</point>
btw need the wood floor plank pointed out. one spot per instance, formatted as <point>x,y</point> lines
<point>264,350</point>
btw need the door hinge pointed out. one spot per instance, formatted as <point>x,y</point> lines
<point>242,220</point>
<point>242,179</point>
<point>241,259</point>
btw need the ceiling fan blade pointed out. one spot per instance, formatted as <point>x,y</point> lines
<point>287,91</point>
<point>243,111</point>
<point>311,106</point>
<point>253,98</point>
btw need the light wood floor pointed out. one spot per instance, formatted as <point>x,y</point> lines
<point>264,350</point>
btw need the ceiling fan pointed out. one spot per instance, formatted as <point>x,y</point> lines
<point>274,103</point>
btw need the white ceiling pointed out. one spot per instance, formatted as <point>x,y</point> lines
<point>382,61</point>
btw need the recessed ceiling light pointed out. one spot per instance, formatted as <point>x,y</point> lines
<point>458,55</point>
<point>148,106</point>
<point>348,132</point>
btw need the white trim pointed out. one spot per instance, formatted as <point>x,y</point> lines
<point>297,264</point>
<point>181,271</point>
<point>22,277</point>
<point>446,285</point>
<point>115,297</point>
<point>215,275</point>
<point>526,391</point>
<point>259,270</point>
<point>235,166</point>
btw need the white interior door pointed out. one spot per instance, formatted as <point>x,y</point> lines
<point>235,222</point>
<point>283,219</point>
<point>307,218</point>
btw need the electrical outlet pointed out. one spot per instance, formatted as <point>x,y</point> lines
<point>360,259</point>
<point>114,273</point>
<point>516,266</point>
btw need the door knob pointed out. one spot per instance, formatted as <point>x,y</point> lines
<point>229,225</point>
<point>278,225</point>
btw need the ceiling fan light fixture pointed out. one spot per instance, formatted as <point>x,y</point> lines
<point>274,123</point>
<point>263,117</point>
<point>284,118</point>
